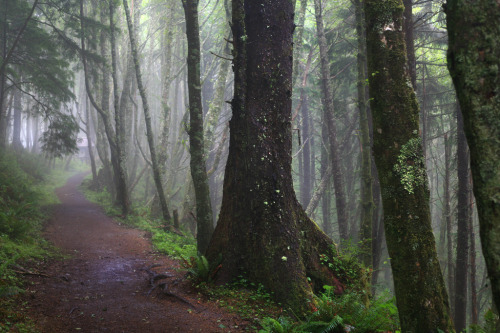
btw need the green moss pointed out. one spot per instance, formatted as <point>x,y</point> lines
<point>410,166</point>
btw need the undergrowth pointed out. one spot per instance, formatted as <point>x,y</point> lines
<point>252,302</point>
<point>341,313</point>
<point>26,195</point>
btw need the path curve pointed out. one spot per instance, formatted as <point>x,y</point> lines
<point>102,286</point>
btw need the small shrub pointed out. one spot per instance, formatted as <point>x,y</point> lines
<point>491,320</point>
<point>200,270</point>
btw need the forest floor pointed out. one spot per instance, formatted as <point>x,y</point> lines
<point>102,284</point>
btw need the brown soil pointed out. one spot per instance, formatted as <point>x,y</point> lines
<point>103,285</point>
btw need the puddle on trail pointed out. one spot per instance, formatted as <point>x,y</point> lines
<point>111,270</point>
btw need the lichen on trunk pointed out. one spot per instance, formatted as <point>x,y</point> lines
<point>419,286</point>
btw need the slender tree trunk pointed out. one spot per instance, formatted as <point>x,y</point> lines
<point>420,291</point>
<point>120,151</point>
<point>89,140</point>
<point>305,186</point>
<point>119,182</point>
<point>167,47</point>
<point>446,238</point>
<point>262,231</point>
<point>16,126</point>
<point>472,254</point>
<point>327,93</point>
<point>147,117</point>
<point>196,137</point>
<point>461,272</point>
<point>367,205</point>
<point>298,36</point>
<point>473,61</point>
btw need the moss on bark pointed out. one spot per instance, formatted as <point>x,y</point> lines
<point>474,64</point>
<point>420,292</point>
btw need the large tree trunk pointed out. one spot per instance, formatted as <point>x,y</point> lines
<point>473,61</point>
<point>196,137</point>
<point>147,117</point>
<point>420,291</point>
<point>328,109</point>
<point>263,232</point>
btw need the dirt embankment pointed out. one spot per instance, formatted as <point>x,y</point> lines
<point>103,287</point>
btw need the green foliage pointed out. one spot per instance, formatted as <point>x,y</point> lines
<point>60,139</point>
<point>340,314</point>
<point>250,301</point>
<point>200,270</point>
<point>18,212</point>
<point>345,263</point>
<point>491,321</point>
<point>410,165</point>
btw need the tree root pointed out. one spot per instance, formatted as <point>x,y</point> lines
<point>153,282</point>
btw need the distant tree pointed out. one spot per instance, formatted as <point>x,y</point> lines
<point>419,286</point>
<point>328,109</point>
<point>147,116</point>
<point>61,136</point>
<point>32,59</point>
<point>474,62</point>
<point>262,231</point>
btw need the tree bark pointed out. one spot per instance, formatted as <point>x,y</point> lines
<point>147,117</point>
<point>410,42</point>
<point>120,151</point>
<point>16,125</point>
<point>461,272</point>
<point>328,109</point>
<point>103,110</point>
<point>367,205</point>
<point>472,254</point>
<point>419,286</point>
<point>196,137</point>
<point>473,61</point>
<point>263,232</point>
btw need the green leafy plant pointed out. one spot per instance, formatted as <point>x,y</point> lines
<point>491,321</point>
<point>200,270</point>
<point>347,312</point>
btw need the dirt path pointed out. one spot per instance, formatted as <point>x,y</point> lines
<point>102,287</point>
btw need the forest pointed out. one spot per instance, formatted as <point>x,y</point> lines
<point>339,159</point>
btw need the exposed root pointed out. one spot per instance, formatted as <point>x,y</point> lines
<point>154,279</point>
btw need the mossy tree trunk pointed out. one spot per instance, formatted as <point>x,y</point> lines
<point>196,138</point>
<point>147,117</point>
<point>420,291</point>
<point>474,61</point>
<point>263,232</point>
